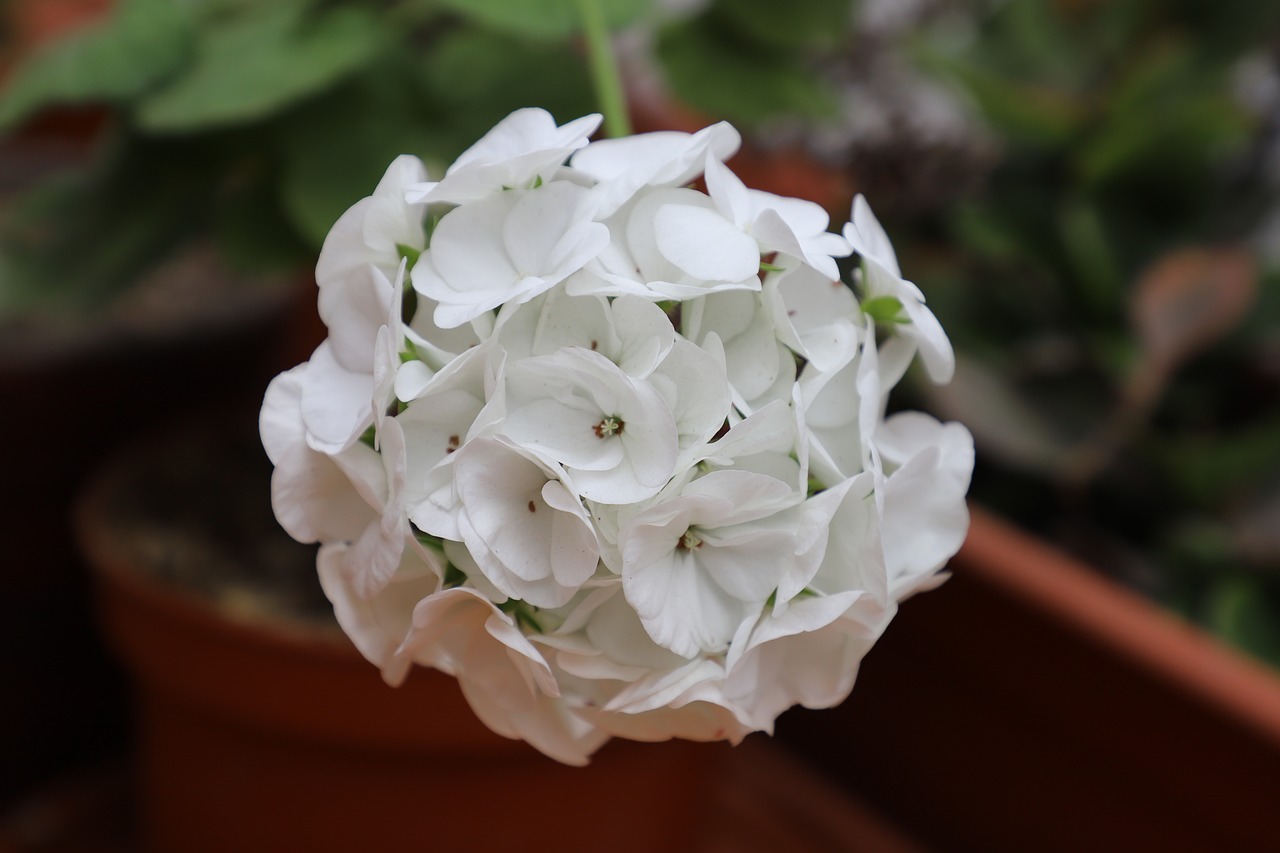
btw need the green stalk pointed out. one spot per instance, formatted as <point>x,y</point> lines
<point>604,70</point>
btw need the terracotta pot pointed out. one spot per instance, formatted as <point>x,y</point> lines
<point>1029,703</point>
<point>270,733</point>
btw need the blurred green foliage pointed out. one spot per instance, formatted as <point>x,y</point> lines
<point>1110,293</point>
<point>259,123</point>
<point>743,61</point>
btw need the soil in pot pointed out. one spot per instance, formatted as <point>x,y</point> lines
<point>262,729</point>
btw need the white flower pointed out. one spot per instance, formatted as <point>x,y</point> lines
<point>506,249</point>
<point>520,149</point>
<point>693,384</point>
<point>354,497</point>
<point>925,515</point>
<point>698,564</point>
<point>667,158</point>
<point>378,624</point>
<point>504,677</point>
<point>627,685</point>
<point>632,333</point>
<point>773,663</point>
<point>789,225</point>
<point>841,409</point>
<point>529,534</point>
<point>619,460</point>
<point>808,656</point>
<point>338,401</point>
<point>768,441</point>
<point>760,367</point>
<point>883,278</point>
<point>374,229</point>
<point>671,243</point>
<point>456,405</point>
<point>812,314</point>
<point>379,478</point>
<point>614,435</point>
<point>313,498</point>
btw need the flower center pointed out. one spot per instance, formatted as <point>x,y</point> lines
<point>689,541</point>
<point>610,425</point>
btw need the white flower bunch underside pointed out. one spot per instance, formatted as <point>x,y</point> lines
<point>610,449</point>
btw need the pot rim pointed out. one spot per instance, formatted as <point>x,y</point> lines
<point>1069,592</point>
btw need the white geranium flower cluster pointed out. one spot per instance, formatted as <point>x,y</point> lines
<point>609,449</point>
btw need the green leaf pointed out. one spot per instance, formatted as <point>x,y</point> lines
<point>1043,39</point>
<point>1213,469</point>
<point>127,54</point>
<point>1180,138</point>
<point>254,233</point>
<point>980,228</point>
<point>544,19</point>
<point>478,77</point>
<point>92,238</point>
<point>712,73</point>
<point>1089,249</point>
<point>1027,112</point>
<point>811,24</point>
<point>336,148</point>
<point>1246,613</point>
<point>256,63</point>
<point>1169,114</point>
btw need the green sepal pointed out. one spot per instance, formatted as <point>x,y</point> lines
<point>523,614</point>
<point>886,310</point>
<point>408,253</point>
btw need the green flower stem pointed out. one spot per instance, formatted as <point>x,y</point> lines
<point>604,71</point>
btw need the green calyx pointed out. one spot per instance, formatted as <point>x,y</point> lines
<point>885,310</point>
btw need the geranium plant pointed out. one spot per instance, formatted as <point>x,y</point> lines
<point>610,449</point>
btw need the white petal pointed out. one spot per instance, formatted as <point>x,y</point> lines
<point>314,500</point>
<point>729,193</point>
<point>868,238</point>
<point>280,421</point>
<point>925,520</point>
<point>533,549</point>
<point>663,158</point>
<point>935,348</point>
<point>354,309</point>
<point>705,245</point>
<point>681,607</point>
<point>505,679</point>
<point>337,404</point>
<point>544,227</point>
<point>377,626</point>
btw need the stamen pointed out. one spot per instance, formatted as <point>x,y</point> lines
<point>689,541</point>
<point>611,425</point>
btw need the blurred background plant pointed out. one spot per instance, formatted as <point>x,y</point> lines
<point>256,124</point>
<point>1112,285</point>
<point>1086,192</point>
